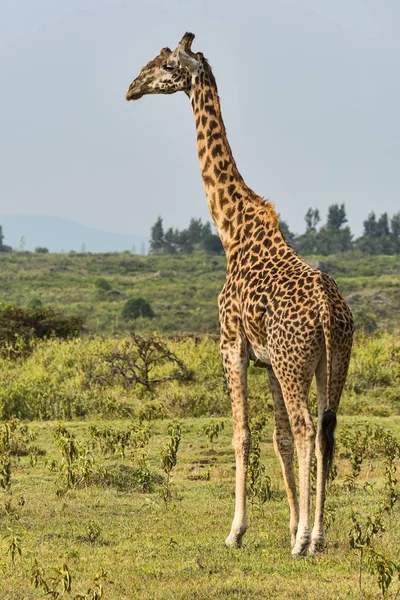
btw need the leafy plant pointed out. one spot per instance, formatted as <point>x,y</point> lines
<point>213,429</point>
<point>358,442</point>
<point>77,464</point>
<point>151,411</point>
<point>169,455</point>
<point>14,548</point>
<point>5,471</point>
<point>15,438</point>
<point>361,537</point>
<point>56,585</point>
<point>59,582</point>
<point>92,532</point>
<point>112,440</point>
<point>259,483</point>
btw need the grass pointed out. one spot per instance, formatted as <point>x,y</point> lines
<point>154,552</point>
<point>182,289</point>
<point>117,520</point>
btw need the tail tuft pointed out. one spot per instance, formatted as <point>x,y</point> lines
<point>328,431</point>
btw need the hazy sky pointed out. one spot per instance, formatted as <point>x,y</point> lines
<point>310,93</point>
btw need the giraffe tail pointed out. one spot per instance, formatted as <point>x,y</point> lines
<point>328,423</point>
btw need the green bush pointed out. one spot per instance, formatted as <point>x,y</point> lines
<point>137,307</point>
<point>35,303</point>
<point>103,285</point>
<point>20,328</point>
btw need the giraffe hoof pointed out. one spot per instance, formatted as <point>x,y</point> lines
<point>300,548</point>
<point>233,542</point>
<point>317,546</point>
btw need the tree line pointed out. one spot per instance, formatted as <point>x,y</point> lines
<point>198,235</point>
<point>381,235</point>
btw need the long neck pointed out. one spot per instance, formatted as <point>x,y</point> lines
<point>224,186</point>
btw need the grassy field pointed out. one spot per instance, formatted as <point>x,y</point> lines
<point>182,289</point>
<point>84,501</point>
<point>116,519</point>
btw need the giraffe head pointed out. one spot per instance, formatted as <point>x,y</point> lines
<point>169,72</point>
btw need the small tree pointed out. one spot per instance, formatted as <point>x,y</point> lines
<point>41,250</point>
<point>157,241</point>
<point>284,227</point>
<point>3,247</point>
<point>395,232</point>
<point>137,307</point>
<point>312,218</point>
<point>213,244</point>
<point>134,361</point>
<point>336,216</point>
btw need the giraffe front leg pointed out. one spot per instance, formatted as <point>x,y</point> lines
<point>283,445</point>
<point>235,361</point>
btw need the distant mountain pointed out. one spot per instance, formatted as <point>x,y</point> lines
<point>58,234</point>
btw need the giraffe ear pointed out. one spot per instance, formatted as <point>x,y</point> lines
<point>187,61</point>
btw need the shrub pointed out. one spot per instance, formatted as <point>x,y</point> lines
<point>133,361</point>
<point>102,284</point>
<point>137,307</point>
<point>35,303</point>
<point>20,327</point>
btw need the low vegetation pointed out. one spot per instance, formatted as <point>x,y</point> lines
<point>141,376</point>
<point>181,289</point>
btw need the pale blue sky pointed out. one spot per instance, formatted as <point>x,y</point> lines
<point>310,97</point>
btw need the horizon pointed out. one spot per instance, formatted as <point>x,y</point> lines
<point>124,242</point>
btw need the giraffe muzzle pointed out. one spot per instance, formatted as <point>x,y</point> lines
<point>133,93</point>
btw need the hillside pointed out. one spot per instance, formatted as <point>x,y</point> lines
<point>182,289</point>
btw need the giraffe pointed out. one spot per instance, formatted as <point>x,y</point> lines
<point>274,308</point>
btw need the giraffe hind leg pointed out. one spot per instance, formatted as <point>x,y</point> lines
<point>325,439</point>
<point>295,393</point>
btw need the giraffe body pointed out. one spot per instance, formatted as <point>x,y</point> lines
<point>274,308</point>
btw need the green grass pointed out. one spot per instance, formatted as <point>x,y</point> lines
<point>151,552</point>
<point>182,289</point>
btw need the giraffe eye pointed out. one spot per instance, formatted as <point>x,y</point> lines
<point>168,67</point>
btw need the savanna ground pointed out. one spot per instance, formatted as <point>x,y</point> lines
<point>118,521</point>
<point>88,485</point>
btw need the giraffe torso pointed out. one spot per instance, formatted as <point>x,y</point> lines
<point>273,298</point>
